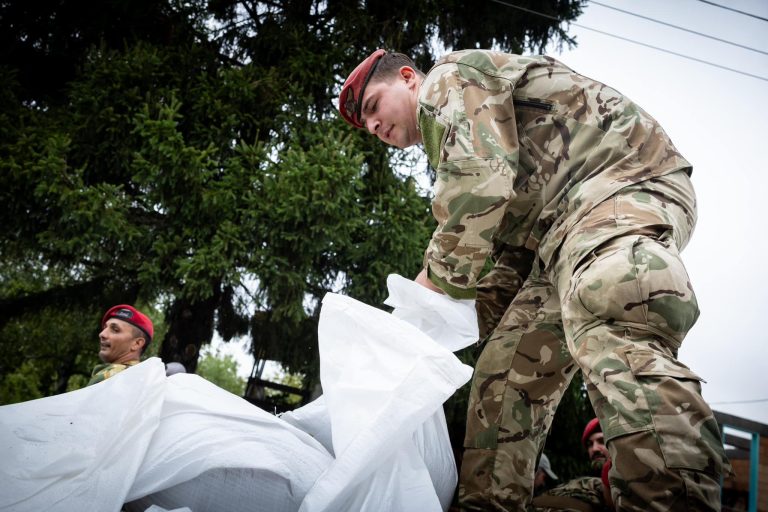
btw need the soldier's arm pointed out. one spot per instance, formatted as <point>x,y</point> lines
<point>469,133</point>
<point>496,289</point>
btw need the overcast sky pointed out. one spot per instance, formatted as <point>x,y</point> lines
<point>716,118</point>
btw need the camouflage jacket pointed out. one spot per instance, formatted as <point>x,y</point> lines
<point>523,147</point>
<point>104,371</point>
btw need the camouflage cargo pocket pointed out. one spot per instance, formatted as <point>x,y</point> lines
<point>671,399</point>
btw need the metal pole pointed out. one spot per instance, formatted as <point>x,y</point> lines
<point>754,460</point>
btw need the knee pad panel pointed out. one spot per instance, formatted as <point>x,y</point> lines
<point>639,282</point>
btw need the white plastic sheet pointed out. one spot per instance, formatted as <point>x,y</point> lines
<point>383,382</point>
<point>450,322</point>
<point>80,450</point>
<point>430,442</point>
<point>180,441</point>
<point>214,449</point>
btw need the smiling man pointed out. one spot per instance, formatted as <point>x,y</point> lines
<point>126,333</point>
<point>583,204</point>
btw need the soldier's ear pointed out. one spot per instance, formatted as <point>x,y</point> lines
<point>407,73</point>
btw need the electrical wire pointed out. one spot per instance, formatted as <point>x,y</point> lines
<point>678,27</point>
<point>734,10</point>
<point>759,400</point>
<point>631,40</point>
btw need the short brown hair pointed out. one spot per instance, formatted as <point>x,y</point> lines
<point>379,66</point>
<point>389,65</point>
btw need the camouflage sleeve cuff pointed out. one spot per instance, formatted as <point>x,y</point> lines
<point>452,291</point>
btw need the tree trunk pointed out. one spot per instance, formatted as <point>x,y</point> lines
<point>65,371</point>
<point>190,325</point>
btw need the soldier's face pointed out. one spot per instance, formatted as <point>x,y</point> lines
<point>596,448</point>
<point>118,342</point>
<point>389,109</point>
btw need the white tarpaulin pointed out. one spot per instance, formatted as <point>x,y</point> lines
<point>376,440</point>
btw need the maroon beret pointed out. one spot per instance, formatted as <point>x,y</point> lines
<point>592,427</point>
<point>351,97</point>
<point>131,315</point>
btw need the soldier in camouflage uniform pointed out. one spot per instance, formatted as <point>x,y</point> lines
<point>583,493</point>
<point>126,333</point>
<point>583,204</point>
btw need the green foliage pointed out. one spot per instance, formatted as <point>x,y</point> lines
<point>568,456</point>
<point>189,158</point>
<point>287,400</point>
<point>21,385</point>
<point>221,369</point>
<point>76,382</point>
<point>42,351</point>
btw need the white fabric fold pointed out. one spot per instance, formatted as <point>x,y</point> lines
<point>382,380</point>
<point>148,440</point>
<point>450,322</point>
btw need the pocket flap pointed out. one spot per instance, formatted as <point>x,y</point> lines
<point>647,363</point>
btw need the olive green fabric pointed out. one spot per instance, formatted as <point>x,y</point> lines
<point>102,372</point>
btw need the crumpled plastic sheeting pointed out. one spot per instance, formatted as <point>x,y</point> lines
<point>141,433</point>
<point>213,448</point>
<point>450,322</point>
<point>181,441</point>
<point>430,441</point>
<point>155,508</point>
<point>384,383</point>
<point>80,450</point>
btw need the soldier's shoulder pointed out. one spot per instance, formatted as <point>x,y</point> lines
<point>492,60</point>
<point>107,370</point>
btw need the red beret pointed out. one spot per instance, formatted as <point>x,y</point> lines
<point>351,97</point>
<point>592,427</point>
<point>131,315</point>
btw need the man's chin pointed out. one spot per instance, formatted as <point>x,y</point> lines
<point>597,465</point>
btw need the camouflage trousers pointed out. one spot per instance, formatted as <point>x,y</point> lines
<point>615,302</point>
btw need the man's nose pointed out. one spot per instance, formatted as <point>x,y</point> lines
<point>372,125</point>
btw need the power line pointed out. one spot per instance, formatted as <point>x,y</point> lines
<point>631,40</point>
<point>759,400</point>
<point>734,10</point>
<point>678,27</point>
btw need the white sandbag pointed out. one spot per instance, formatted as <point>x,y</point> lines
<point>450,322</point>
<point>430,441</point>
<point>312,418</point>
<point>80,450</point>
<point>230,489</point>
<point>434,446</point>
<point>212,444</point>
<point>382,379</point>
<point>155,508</point>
